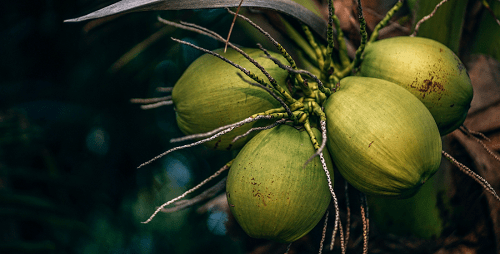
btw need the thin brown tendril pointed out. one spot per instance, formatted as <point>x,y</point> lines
<point>232,25</point>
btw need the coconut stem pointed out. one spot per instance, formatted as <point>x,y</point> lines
<point>314,45</point>
<point>225,167</point>
<point>283,104</point>
<point>282,50</point>
<point>384,21</point>
<point>321,87</point>
<point>364,36</point>
<point>472,174</point>
<point>334,20</point>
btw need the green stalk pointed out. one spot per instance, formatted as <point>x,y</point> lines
<point>384,21</point>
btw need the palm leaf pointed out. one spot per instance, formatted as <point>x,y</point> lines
<point>308,15</point>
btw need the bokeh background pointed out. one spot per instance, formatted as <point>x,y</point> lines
<point>71,141</point>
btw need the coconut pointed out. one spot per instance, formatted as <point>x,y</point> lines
<point>382,139</point>
<point>429,70</point>
<point>209,95</point>
<point>270,192</point>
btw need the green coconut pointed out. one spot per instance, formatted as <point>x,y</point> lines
<point>382,139</point>
<point>270,192</point>
<point>209,95</point>
<point>429,70</point>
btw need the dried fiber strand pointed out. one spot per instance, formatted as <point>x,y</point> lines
<point>255,63</point>
<point>164,89</point>
<point>259,129</point>
<point>273,41</point>
<point>207,194</point>
<point>250,119</point>
<point>323,234</point>
<point>472,174</point>
<point>150,100</point>
<point>488,150</point>
<point>466,130</point>
<point>283,104</point>
<point>348,210</point>
<point>157,105</point>
<point>364,218</point>
<point>210,133</point>
<point>425,18</point>
<point>225,167</point>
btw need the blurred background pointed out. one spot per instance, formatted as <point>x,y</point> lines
<point>71,141</point>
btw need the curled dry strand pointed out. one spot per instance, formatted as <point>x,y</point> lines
<point>281,121</point>
<point>225,167</point>
<point>472,174</point>
<point>425,18</point>
<point>213,132</point>
<point>323,234</point>
<point>209,193</point>
<point>228,129</point>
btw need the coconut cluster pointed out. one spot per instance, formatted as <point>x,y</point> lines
<point>377,120</point>
<point>383,129</point>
